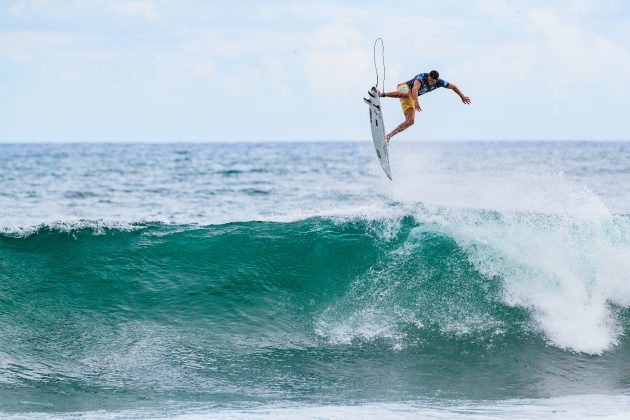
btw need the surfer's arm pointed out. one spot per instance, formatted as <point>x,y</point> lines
<point>465,99</point>
<point>414,94</point>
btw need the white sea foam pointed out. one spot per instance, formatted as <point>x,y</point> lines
<point>566,274</point>
<point>609,407</point>
<point>571,408</point>
<point>553,243</point>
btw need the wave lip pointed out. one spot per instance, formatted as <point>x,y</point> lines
<point>569,273</point>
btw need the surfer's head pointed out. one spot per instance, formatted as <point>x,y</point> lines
<point>433,77</point>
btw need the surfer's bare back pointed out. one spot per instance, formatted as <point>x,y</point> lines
<point>409,91</point>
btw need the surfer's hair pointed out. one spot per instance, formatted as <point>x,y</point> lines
<point>434,74</point>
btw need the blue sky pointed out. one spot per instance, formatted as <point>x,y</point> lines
<point>193,70</point>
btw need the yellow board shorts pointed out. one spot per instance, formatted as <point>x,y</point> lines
<point>405,103</point>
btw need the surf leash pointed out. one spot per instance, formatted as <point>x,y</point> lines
<point>375,67</point>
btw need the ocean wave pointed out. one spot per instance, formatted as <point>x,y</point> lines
<point>461,275</point>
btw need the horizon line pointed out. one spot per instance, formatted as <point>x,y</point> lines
<point>249,141</point>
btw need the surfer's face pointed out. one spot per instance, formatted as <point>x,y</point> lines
<point>432,81</point>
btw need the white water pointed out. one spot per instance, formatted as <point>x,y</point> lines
<point>607,407</point>
<point>553,243</point>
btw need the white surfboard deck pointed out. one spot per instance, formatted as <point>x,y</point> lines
<point>378,130</point>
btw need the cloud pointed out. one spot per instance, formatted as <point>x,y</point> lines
<point>327,11</point>
<point>337,60</point>
<point>521,61</point>
<point>143,8</point>
<point>27,7</point>
<point>237,42</point>
<point>23,46</point>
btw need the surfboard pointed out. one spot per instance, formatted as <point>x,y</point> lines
<point>378,130</point>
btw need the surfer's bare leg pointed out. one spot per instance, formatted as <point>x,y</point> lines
<point>396,94</point>
<point>409,119</point>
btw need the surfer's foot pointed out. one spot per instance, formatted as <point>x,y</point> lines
<point>388,138</point>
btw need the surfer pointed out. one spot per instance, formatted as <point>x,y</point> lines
<point>409,91</point>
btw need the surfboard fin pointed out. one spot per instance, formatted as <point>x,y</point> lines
<point>367,101</point>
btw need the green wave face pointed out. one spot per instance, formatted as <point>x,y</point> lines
<point>243,276</point>
<point>318,310</point>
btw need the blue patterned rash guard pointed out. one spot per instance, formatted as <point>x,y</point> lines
<point>425,86</point>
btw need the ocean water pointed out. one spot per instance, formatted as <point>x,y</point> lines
<point>293,280</point>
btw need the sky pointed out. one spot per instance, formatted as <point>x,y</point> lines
<point>276,70</point>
